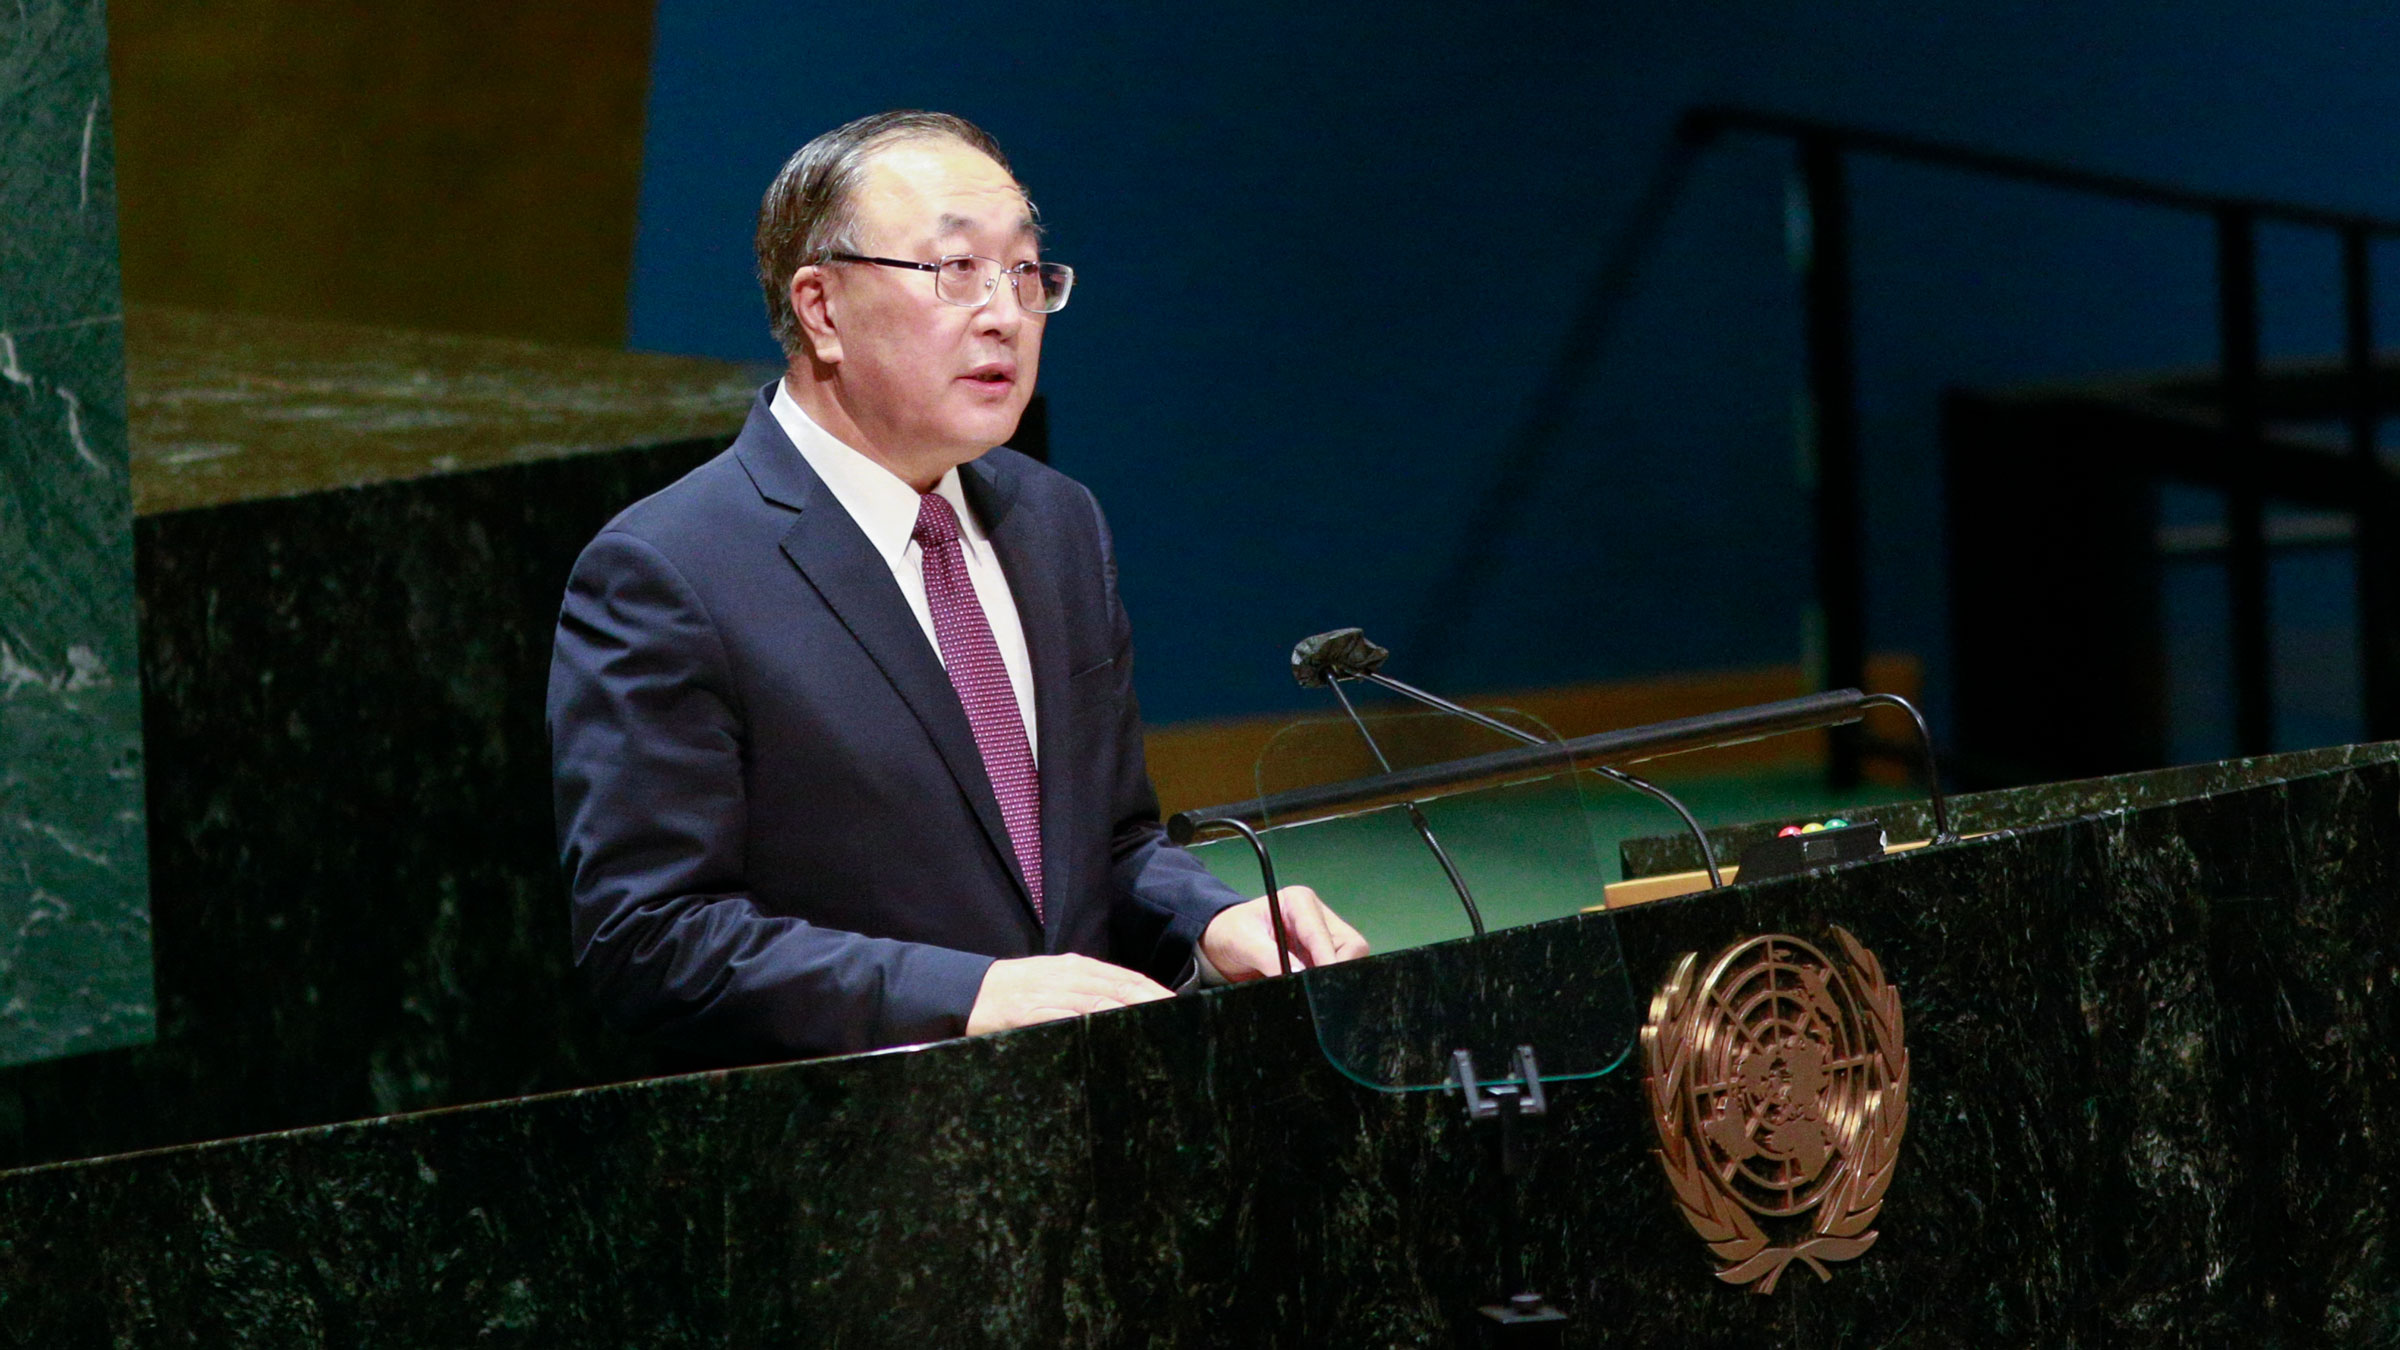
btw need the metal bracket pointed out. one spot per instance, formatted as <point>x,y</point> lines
<point>1518,1096</point>
<point>1527,1309</point>
<point>1505,1102</point>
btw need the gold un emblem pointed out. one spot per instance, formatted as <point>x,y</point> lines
<point>1779,1085</point>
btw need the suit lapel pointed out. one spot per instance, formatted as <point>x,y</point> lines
<point>836,558</point>
<point>1029,555</point>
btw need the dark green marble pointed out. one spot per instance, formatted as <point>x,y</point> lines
<point>2153,1054</point>
<point>593,1219</point>
<point>871,1202</point>
<point>1910,817</point>
<point>74,924</point>
<point>231,408</point>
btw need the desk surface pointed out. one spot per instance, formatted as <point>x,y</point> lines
<point>228,407</point>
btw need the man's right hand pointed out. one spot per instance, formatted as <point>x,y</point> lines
<point>1034,989</point>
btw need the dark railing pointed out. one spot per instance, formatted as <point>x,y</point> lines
<point>1832,709</point>
<point>1822,149</point>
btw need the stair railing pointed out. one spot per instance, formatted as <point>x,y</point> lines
<point>1822,150</point>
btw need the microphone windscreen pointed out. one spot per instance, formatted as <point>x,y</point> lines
<point>1338,654</point>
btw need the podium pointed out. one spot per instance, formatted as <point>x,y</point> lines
<point>2150,1028</point>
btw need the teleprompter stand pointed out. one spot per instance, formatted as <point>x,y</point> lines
<point>1510,1105</point>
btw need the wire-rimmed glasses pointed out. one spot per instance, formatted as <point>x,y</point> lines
<point>970,279</point>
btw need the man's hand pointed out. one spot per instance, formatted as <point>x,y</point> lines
<point>1034,989</point>
<point>1240,942</point>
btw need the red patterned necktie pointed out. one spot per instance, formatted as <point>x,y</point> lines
<point>981,679</point>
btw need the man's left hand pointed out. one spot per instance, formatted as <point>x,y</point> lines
<point>1240,941</point>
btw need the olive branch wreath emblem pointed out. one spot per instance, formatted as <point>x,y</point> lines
<point>1864,1136</point>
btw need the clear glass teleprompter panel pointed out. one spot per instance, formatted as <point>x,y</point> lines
<point>1525,850</point>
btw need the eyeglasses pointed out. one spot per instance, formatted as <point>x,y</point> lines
<point>970,280</point>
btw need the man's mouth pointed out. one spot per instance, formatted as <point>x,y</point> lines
<point>994,376</point>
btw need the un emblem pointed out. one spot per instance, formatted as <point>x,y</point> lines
<point>1779,1086</point>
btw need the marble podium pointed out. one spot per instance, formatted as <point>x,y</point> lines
<point>2152,1021</point>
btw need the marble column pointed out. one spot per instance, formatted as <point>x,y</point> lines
<point>75,973</point>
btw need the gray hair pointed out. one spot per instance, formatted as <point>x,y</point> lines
<point>811,208</point>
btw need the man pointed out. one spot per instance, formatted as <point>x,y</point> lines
<point>843,732</point>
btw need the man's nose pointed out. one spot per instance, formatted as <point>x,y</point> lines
<point>1002,314</point>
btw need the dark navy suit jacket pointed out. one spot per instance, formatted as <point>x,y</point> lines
<point>778,831</point>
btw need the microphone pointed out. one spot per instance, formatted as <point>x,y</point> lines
<point>1324,660</point>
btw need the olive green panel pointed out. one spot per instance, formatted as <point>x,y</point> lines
<point>466,168</point>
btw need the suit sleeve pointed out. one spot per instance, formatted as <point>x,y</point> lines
<point>647,746</point>
<point>1164,896</point>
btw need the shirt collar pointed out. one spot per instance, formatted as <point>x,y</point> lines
<point>884,505</point>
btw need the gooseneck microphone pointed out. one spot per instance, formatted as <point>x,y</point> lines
<point>1324,660</point>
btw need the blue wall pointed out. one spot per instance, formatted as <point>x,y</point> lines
<point>1326,259</point>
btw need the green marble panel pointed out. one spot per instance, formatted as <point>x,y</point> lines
<point>1911,816</point>
<point>591,1218</point>
<point>74,891</point>
<point>831,1244</point>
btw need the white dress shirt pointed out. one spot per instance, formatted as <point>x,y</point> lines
<point>885,509</point>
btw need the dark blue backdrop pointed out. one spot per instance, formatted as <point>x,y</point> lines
<point>1327,257</point>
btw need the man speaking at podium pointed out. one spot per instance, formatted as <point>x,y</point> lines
<point>843,735</point>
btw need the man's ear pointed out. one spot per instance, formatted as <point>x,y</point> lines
<point>814,307</point>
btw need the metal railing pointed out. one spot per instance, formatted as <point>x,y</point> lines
<point>1823,149</point>
<point>1632,745</point>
